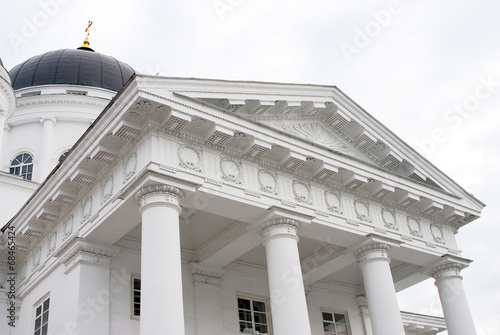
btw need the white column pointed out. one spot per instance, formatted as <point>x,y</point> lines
<point>207,298</point>
<point>286,286</point>
<point>162,310</point>
<point>383,305</point>
<point>45,147</point>
<point>453,300</point>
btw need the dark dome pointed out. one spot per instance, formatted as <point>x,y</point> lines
<point>73,67</point>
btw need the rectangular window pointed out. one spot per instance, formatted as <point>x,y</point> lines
<point>42,318</point>
<point>253,316</point>
<point>136,297</point>
<point>335,323</point>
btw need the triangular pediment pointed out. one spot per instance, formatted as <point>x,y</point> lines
<point>319,134</point>
<point>306,120</point>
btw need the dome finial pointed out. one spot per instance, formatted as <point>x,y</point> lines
<point>86,42</point>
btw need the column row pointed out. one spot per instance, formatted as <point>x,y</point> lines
<point>161,277</point>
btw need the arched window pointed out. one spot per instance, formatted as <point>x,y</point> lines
<point>22,166</point>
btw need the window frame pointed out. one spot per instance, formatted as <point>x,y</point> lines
<point>333,312</point>
<point>21,165</point>
<point>41,304</point>
<point>133,277</point>
<point>258,299</point>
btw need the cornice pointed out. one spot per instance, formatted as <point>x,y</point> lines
<point>91,247</point>
<point>60,101</point>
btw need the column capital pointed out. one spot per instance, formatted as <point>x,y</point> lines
<point>373,251</point>
<point>446,270</point>
<point>43,119</point>
<point>447,267</point>
<point>280,227</point>
<point>159,195</point>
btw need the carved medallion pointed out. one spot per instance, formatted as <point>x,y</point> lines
<point>190,157</point>
<point>437,233</point>
<point>51,243</point>
<point>333,202</point>
<point>414,226</point>
<point>37,255</point>
<point>129,167</point>
<point>362,210</point>
<point>389,218</point>
<point>68,227</point>
<point>106,189</point>
<point>302,191</point>
<point>86,209</point>
<point>268,181</point>
<point>231,170</point>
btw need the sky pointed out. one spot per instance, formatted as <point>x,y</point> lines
<point>428,70</point>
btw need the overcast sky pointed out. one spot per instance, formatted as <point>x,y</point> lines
<point>429,70</point>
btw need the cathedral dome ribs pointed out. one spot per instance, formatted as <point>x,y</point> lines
<point>72,67</point>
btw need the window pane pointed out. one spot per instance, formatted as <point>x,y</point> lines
<point>38,322</point>
<point>341,329</point>
<point>260,318</point>
<point>259,306</point>
<point>45,329</point>
<point>328,327</point>
<point>45,318</point>
<point>46,304</point>
<point>243,304</point>
<point>137,284</point>
<point>261,329</point>
<point>339,318</point>
<point>37,332</point>
<point>39,310</point>
<point>246,328</point>
<point>327,316</point>
<point>245,316</point>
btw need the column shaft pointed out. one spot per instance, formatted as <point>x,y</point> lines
<point>286,286</point>
<point>162,310</point>
<point>379,287</point>
<point>453,300</point>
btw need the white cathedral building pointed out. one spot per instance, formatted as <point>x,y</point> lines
<point>135,204</point>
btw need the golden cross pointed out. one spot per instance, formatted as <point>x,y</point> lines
<point>88,28</point>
